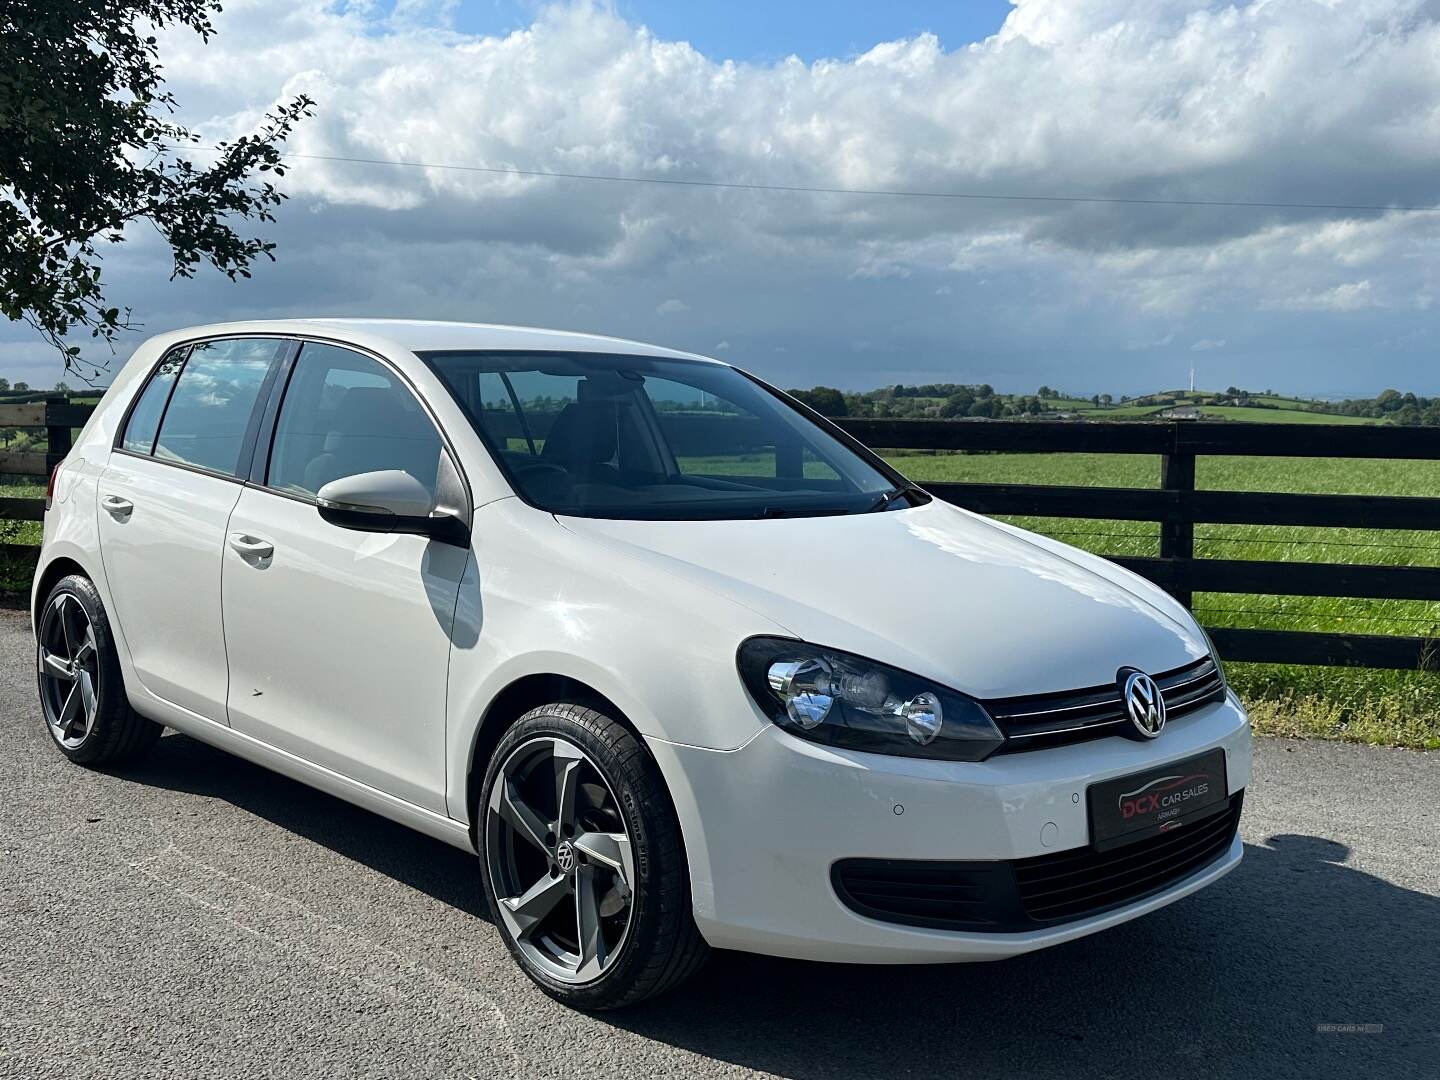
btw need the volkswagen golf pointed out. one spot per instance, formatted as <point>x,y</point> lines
<point>681,662</point>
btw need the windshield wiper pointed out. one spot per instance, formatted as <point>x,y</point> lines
<point>886,498</point>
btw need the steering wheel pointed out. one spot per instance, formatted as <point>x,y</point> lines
<point>535,465</point>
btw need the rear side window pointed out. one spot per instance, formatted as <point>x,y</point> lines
<point>145,417</point>
<point>213,402</point>
<point>346,414</point>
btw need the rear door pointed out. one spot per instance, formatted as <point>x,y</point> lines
<point>165,497</point>
<point>339,641</point>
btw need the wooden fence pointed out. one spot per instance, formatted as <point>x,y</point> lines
<point>1176,505</point>
<point>58,417</point>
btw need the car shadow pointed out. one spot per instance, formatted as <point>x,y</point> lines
<point>180,763</point>
<point>1266,973</point>
<point>1239,980</point>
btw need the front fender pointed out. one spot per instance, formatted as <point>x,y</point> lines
<point>537,599</point>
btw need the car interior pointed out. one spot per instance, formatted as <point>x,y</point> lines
<point>619,439</point>
<point>341,421</point>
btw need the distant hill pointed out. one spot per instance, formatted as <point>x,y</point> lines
<point>956,400</point>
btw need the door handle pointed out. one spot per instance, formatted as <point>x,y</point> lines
<point>252,547</point>
<point>117,506</point>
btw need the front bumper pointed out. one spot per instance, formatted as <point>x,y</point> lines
<point>765,824</point>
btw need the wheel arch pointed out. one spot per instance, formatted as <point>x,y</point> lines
<point>59,567</point>
<point>514,701</point>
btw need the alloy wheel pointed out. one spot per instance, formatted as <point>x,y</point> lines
<point>69,670</point>
<point>559,859</point>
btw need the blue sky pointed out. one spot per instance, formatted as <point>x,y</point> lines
<point>767,30</point>
<point>1279,101</point>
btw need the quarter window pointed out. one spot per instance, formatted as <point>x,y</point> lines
<point>213,403</point>
<point>145,416</point>
<point>346,414</point>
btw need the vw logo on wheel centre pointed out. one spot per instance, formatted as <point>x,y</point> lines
<point>1143,701</point>
<point>565,857</point>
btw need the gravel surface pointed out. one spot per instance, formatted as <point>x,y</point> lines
<point>197,916</point>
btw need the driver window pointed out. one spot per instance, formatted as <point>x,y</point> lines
<point>345,414</point>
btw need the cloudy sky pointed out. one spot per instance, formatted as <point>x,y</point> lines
<point>1275,101</point>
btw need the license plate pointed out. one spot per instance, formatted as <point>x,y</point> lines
<point>1157,800</point>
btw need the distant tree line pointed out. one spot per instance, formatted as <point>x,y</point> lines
<point>1407,409</point>
<point>19,386</point>
<point>946,400</point>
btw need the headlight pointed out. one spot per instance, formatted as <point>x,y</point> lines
<point>840,699</point>
<point>1214,655</point>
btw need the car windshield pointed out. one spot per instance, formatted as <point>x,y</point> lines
<point>648,438</point>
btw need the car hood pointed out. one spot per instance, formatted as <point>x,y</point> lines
<point>932,589</point>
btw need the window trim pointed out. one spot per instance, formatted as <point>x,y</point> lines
<point>267,409</point>
<point>252,425</point>
<point>118,443</point>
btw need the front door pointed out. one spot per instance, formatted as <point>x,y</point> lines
<point>339,641</point>
<point>164,500</point>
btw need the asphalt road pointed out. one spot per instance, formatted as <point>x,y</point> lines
<point>197,916</point>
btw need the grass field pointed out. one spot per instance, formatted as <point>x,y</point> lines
<point>1280,416</point>
<point>15,573</point>
<point>1126,411</point>
<point>1284,410</point>
<point>1402,708</point>
<point>15,577</point>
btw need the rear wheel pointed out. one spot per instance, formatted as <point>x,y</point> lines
<point>582,861</point>
<point>82,693</point>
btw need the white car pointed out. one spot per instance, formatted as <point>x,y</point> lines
<point>685,664</point>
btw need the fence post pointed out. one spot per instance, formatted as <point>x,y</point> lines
<point>57,430</point>
<point>789,460</point>
<point>1177,538</point>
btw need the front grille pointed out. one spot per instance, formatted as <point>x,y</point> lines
<point>1025,894</point>
<point>1036,721</point>
<point>1073,884</point>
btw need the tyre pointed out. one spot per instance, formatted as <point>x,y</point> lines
<point>582,860</point>
<point>82,693</point>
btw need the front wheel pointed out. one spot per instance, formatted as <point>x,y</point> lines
<point>582,861</point>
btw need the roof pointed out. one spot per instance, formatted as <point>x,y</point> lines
<point>420,335</point>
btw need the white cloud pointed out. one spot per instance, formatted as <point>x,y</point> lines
<point>1208,345</point>
<point>1271,101</point>
<point>1349,296</point>
<point>1160,99</point>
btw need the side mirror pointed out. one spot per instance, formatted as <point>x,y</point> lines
<point>388,502</point>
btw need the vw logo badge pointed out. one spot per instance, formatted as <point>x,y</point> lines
<point>565,857</point>
<point>1143,701</point>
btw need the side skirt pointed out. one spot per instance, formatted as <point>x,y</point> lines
<point>454,833</point>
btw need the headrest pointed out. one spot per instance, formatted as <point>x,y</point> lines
<point>372,410</point>
<point>585,433</point>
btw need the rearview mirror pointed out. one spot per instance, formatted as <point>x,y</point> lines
<point>390,501</point>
